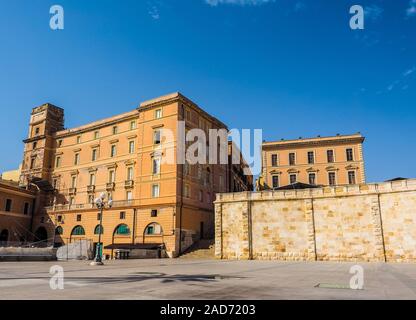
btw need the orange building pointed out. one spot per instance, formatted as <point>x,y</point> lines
<point>334,160</point>
<point>16,212</point>
<point>154,202</point>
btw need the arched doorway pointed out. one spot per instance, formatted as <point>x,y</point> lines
<point>41,235</point>
<point>4,237</point>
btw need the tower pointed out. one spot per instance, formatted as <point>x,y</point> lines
<point>39,148</point>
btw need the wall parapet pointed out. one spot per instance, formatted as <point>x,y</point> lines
<point>368,222</point>
<point>323,192</point>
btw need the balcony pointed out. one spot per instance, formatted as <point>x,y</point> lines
<point>72,191</point>
<point>89,206</point>
<point>90,189</point>
<point>110,186</point>
<point>128,184</point>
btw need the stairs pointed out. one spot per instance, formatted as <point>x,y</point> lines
<point>203,249</point>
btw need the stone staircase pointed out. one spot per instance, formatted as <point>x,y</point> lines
<point>203,249</point>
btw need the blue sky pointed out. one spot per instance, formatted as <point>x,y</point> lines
<point>293,68</point>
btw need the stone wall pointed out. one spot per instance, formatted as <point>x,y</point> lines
<point>372,222</point>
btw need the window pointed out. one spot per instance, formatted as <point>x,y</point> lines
<point>79,217</point>
<point>153,213</point>
<point>91,199</point>
<point>115,130</point>
<point>132,125</point>
<point>292,158</point>
<point>59,218</point>
<point>37,131</point>
<point>156,137</point>
<point>122,229</point>
<point>32,163</point>
<point>187,191</point>
<point>311,157</point>
<point>92,179</point>
<point>292,178</point>
<point>111,176</point>
<point>188,114</point>
<point>186,168</point>
<point>153,229</point>
<point>94,155</point>
<point>122,215</point>
<point>158,113</point>
<point>99,229</point>
<point>78,231</point>
<point>59,231</point>
<point>208,197</point>
<point>312,178</point>
<point>156,166</point>
<point>58,162</point>
<point>113,151</point>
<point>208,176</point>
<point>96,135</point>
<point>274,160</point>
<point>275,181</point>
<point>42,220</point>
<point>350,155</point>
<point>330,156</point>
<point>35,145</point>
<point>60,143</point>
<point>26,208</point>
<point>221,179</point>
<point>8,205</point>
<point>130,173</point>
<point>129,195</point>
<point>331,179</point>
<point>201,196</point>
<point>155,191</point>
<point>99,216</point>
<point>76,159</point>
<point>132,147</point>
<point>79,139</point>
<point>73,181</point>
<point>351,177</point>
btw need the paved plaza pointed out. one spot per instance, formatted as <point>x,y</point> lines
<point>206,279</point>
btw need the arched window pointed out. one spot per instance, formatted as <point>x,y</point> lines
<point>41,234</point>
<point>122,230</point>
<point>4,236</point>
<point>59,230</point>
<point>99,229</point>
<point>153,229</point>
<point>78,231</point>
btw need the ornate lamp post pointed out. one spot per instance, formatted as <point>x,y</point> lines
<point>101,204</point>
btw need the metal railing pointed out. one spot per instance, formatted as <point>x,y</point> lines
<point>68,207</point>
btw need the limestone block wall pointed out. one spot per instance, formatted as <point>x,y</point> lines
<point>373,222</point>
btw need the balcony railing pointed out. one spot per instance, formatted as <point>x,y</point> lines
<point>72,191</point>
<point>91,189</point>
<point>110,186</point>
<point>128,184</point>
<point>86,206</point>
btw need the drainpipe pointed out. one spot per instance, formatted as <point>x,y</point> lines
<point>133,240</point>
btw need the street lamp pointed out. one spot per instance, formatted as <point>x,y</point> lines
<point>101,204</point>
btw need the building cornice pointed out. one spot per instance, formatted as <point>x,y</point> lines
<point>324,141</point>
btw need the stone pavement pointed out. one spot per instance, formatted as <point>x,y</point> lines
<point>205,279</point>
